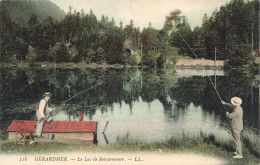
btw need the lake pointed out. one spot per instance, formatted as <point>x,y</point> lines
<point>148,104</point>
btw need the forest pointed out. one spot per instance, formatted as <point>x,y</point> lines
<point>80,37</point>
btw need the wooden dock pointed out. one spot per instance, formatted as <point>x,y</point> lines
<point>71,132</point>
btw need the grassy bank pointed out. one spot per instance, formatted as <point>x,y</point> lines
<point>203,145</point>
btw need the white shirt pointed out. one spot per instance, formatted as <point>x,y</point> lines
<point>42,109</point>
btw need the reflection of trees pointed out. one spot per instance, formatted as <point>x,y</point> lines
<point>156,85</point>
<point>186,91</point>
<point>199,91</point>
<point>21,89</point>
<point>151,85</point>
<point>119,85</point>
<point>131,86</point>
<point>189,90</point>
<point>72,110</point>
<point>167,81</point>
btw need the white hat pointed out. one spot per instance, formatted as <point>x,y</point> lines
<point>236,101</point>
<point>47,94</point>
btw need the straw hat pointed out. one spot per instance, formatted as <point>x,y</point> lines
<point>236,101</point>
<point>47,94</point>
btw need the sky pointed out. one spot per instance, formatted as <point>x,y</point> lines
<point>144,11</point>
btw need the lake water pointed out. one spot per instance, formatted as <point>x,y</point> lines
<point>148,104</point>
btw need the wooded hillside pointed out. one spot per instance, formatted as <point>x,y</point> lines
<point>20,11</point>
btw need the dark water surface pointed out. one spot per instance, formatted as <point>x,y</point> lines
<point>148,104</point>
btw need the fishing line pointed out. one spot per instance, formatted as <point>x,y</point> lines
<point>48,115</point>
<point>60,104</point>
<point>205,70</point>
<point>78,94</point>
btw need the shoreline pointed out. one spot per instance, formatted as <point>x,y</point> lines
<point>182,63</point>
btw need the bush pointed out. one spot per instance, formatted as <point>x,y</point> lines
<point>150,59</point>
<point>100,56</point>
<point>63,54</point>
<point>241,57</point>
<point>31,55</point>
<point>132,60</point>
<point>3,135</point>
<point>73,53</point>
<point>90,56</point>
<point>129,59</point>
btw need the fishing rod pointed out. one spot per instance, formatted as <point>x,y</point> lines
<point>205,70</point>
<point>69,100</point>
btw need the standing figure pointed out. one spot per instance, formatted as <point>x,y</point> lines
<point>236,123</point>
<point>81,116</point>
<point>41,113</point>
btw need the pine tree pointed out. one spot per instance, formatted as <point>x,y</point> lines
<point>62,54</point>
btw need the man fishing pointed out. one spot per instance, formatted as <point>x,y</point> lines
<point>236,124</point>
<point>44,110</point>
<point>41,113</point>
<point>236,116</point>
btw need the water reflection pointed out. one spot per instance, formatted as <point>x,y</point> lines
<point>151,104</point>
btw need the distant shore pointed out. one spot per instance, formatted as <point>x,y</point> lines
<point>200,63</point>
<point>181,63</point>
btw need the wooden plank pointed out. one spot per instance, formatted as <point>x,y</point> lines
<point>59,126</point>
<point>68,138</point>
